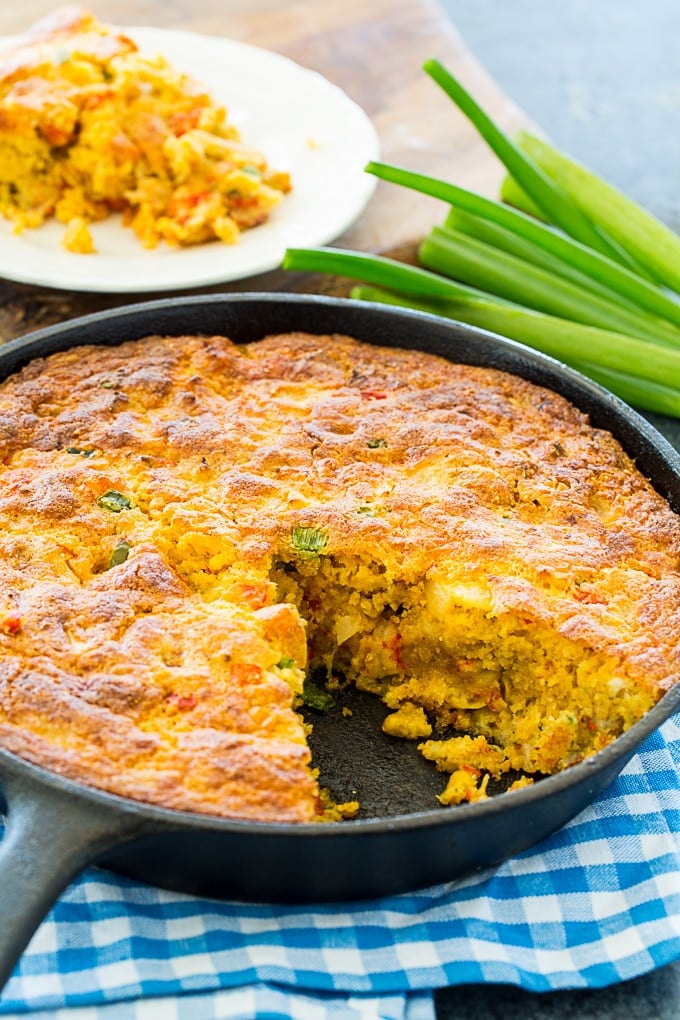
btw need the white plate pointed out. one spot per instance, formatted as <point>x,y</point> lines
<point>295,117</point>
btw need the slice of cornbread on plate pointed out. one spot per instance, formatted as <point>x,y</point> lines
<point>91,126</point>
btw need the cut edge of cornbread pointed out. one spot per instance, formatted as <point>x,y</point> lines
<point>484,694</point>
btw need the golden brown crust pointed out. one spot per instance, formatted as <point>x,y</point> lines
<point>170,675</point>
<point>33,53</point>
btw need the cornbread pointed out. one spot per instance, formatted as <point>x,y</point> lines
<point>89,126</point>
<point>188,526</point>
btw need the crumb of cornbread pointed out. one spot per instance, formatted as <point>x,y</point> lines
<point>89,126</point>
<point>78,237</point>
<point>465,786</point>
<point>189,526</point>
<point>409,721</point>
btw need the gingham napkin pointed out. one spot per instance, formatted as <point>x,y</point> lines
<point>597,903</point>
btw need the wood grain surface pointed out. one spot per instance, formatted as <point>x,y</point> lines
<point>372,49</point>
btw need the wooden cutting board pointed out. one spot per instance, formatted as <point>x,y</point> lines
<point>372,49</point>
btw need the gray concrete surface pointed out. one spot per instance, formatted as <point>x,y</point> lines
<point>602,79</point>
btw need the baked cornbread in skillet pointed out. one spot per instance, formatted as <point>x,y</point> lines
<point>187,525</point>
<point>90,126</point>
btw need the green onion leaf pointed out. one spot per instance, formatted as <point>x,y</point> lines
<point>647,240</point>
<point>114,501</point>
<point>594,270</point>
<point>377,269</point>
<point>120,553</point>
<point>314,697</point>
<point>497,272</point>
<point>309,540</point>
<point>549,197</point>
<point>77,452</point>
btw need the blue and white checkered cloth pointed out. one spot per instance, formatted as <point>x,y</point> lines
<point>597,903</point>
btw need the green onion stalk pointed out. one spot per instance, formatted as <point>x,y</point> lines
<point>564,264</point>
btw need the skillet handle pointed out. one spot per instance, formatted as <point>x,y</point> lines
<point>50,836</point>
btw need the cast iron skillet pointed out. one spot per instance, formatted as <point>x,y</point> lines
<point>403,840</point>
